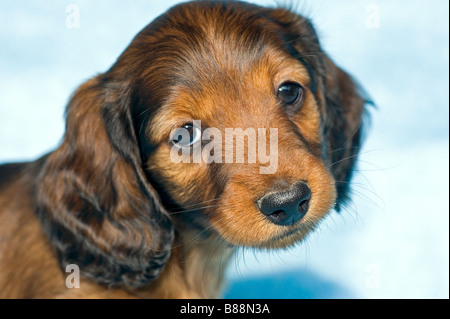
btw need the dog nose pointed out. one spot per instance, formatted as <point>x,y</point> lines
<point>286,207</point>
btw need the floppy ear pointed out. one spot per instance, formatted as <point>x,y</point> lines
<point>94,201</point>
<point>345,109</point>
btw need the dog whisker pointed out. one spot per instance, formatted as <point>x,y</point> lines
<point>349,157</point>
<point>192,209</point>
<point>197,204</point>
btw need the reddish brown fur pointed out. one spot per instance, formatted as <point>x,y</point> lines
<point>110,200</point>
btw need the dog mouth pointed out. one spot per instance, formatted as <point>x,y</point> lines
<point>288,237</point>
<point>278,237</point>
<point>247,226</point>
<point>288,234</point>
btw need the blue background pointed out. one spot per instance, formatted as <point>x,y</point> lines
<point>393,239</point>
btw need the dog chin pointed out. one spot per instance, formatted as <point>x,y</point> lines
<point>284,238</point>
<point>288,238</point>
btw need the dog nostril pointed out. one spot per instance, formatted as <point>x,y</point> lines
<point>288,206</point>
<point>303,206</point>
<point>278,216</point>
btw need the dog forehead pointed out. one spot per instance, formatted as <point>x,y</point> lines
<point>205,36</point>
<point>211,55</point>
<point>199,42</point>
<point>245,98</point>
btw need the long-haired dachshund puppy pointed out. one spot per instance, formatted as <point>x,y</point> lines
<point>112,201</point>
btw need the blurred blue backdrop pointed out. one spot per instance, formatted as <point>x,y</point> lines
<point>391,242</point>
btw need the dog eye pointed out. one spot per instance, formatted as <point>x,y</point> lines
<point>186,135</point>
<point>289,93</point>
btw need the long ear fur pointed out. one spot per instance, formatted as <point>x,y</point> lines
<point>343,126</point>
<point>93,198</point>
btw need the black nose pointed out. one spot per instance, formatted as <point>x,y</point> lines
<point>286,207</point>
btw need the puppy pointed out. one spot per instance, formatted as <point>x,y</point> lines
<point>127,200</point>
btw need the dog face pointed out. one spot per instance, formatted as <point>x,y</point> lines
<point>239,75</point>
<point>228,66</point>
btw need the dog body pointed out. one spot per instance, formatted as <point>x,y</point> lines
<point>30,267</point>
<point>112,202</point>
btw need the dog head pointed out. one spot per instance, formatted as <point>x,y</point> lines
<point>220,117</point>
